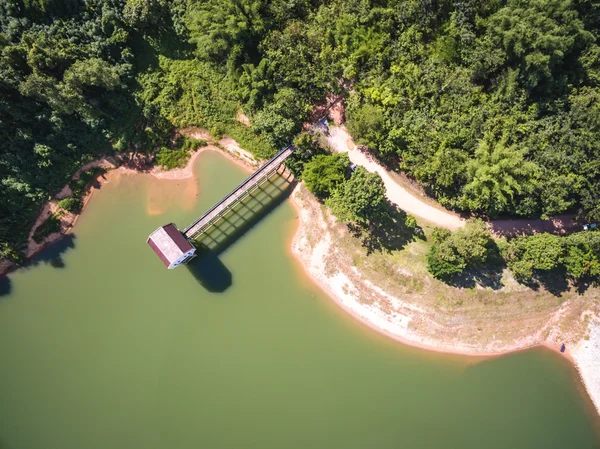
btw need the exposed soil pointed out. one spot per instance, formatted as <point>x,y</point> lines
<point>341,141</point>
<point>406,197</point>
<point>394,294</point>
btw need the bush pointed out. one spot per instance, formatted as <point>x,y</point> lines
<point>539,252</point>
<point>307,147</point>
<point>80,186</point>
<point>453,252</point>
<point>190,144</point>
<point>169,159</point>
<point>324,173</point>
<point>361,199</point>
<point>583,255</point>
<point>70,204</point>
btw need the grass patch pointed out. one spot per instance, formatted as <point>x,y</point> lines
<point>249,140</point>
<point>170,159</point>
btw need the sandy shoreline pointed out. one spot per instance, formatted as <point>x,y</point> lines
<point>343,292</point>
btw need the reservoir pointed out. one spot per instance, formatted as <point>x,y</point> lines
<point>102,347</point>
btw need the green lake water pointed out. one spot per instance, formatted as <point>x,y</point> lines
<point>101,347</point>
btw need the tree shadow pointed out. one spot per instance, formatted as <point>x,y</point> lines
<point>486,275</point>
<point>390,231</point>
<point>554,281</point>
<point>583,284</point>
<point>5,286</point>
<point>53,254</point>
<point>209,271</point>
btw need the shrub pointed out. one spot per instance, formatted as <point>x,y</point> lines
<point>324,173</point>
<point>539,252</point>
<point>80,186</point>
<point>360,199</point>
<point>453,252</point>
<point>70,204</point>
<point>169,159</point>
<point>307,147</point>
<point>190,144</point>
<point>583,255</point>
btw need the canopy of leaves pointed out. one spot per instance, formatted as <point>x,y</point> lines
<point>325,172</point>
<point>452,253</point>
<point>360,199</point>
<point>539,252</point>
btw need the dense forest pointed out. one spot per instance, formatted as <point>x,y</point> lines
<point>492,105</point>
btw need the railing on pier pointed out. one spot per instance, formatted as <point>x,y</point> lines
<point>239,193</point>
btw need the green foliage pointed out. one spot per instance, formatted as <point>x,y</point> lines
<point>190,144</point>
<point>171,158</point>
<point>307,146</point>
<point>583,255</point>
<point>536,253</point>
<point>494,107</point>
<point>452,253</point>
<point>325,172</point>
<point>144,13</point>
<point>496,175</point>
<point>81,185</point>
<point>360,199</point>
<point>70,204</point>
<point>8,253</point>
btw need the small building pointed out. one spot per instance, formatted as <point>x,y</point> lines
<point>171,246</point>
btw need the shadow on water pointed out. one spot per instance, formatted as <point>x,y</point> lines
<point>209,271</point>
<point>5,289</point>
<point>207,268</point>
<point>53,254</point>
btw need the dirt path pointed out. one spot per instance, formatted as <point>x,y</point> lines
<point>342,142</point>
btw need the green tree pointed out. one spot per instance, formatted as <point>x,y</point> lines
<point>360,199</point>
<point>307,147</point>
<point>537,36</point>
<point>71,204</point>
<point>454,252</point>
<point>144,13</point>
<point>496,175</point>
<point>325,172</point>
<point>583,255</point>
<point>539,252</point>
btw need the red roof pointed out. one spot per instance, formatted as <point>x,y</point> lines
<point>169,244</point>
<point>178,238</point>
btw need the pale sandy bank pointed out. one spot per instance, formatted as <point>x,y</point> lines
<point>587,360</point>
<point>320,247</point>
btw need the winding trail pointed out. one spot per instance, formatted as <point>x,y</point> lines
<point>340,141</point>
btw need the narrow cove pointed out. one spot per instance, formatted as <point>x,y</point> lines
<point>102,347</point>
